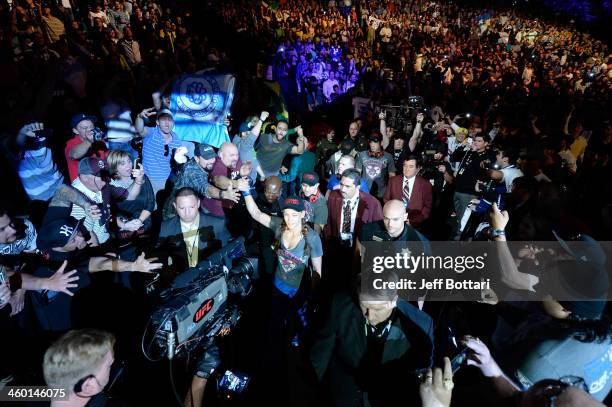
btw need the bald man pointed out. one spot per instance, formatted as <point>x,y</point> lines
<point>393,227</point>
<point>229,173</point>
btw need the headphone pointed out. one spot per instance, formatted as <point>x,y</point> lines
<point>376,155</point>
<point>78,386</point>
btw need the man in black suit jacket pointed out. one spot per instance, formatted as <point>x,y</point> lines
<point>369,346</point>
<point>191,236</point>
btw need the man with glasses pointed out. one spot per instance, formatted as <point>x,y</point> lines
<point>80,362</point>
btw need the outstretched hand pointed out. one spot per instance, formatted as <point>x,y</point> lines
<point>61,281</point>
<point>143,265</point>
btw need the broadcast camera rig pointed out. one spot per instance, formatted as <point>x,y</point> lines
<point>198,304</point>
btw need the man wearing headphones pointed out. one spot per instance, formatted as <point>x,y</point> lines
<point>80,363</point>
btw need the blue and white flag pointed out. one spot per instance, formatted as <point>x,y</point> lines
<point>200,104</point>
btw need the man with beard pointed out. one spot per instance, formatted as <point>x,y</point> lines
<point>194,175</point>
<point>230,173</point>
<point>273,148</point>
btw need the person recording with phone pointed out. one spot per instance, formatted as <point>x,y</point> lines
<point>133,216</point>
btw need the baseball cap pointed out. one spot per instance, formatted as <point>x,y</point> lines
<point>293,202</point>
<point>583,248</point>
<point>347,144</point>
<point>244,127</point>
<point>92,166</point>
<point>165,112</point>
<point>310,178</point>
<point>78,118</point>
<point>205,151</point>
<point>376,137</point>
<point>57,233</point>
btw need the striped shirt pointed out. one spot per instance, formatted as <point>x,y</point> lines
<point>156,164</point>
<point>39,174</point>
<point>79,213</point>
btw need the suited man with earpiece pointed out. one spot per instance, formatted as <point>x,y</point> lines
<point>371,346</point>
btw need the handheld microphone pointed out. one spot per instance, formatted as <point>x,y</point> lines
<point>171,341</point>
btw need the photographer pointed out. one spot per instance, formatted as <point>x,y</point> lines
<point>84,143</point>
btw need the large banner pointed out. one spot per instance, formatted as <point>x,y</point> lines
<point>200,104</point>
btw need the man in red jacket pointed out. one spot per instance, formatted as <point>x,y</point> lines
<point>348,210</point>
<point>414,190</point>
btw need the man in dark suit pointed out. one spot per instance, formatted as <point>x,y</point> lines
<point>414,190</point>
<point>370,348</point>
<point>348,210</point>
<point>191,236</point>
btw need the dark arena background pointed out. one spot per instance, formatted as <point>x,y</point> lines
<point>190,187</point>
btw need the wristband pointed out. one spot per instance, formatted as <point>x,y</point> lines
<point>245,193</point>
<point>497,232</point>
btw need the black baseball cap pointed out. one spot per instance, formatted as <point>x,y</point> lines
<point>205,151</point>
<point>310,178</point>
<point>79,117</point>
<point>57,233</point>
<point>293,202</point>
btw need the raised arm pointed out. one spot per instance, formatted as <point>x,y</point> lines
<point>139,123</point>
<point>417,133</point>
<point>383,130</point>
<point>301,142</point>
<point>254,211</point>
<point>510,274</point>
<point>262,118</point>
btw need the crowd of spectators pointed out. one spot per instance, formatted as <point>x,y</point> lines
<point>502,135</point>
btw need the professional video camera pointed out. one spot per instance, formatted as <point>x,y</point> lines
<point>200,302</point>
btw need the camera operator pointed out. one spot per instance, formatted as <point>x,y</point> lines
<point>468,173</point>
<point>394,144</point>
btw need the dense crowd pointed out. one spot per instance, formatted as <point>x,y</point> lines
<point>465,125</point>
